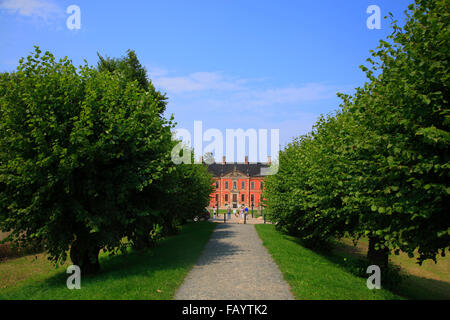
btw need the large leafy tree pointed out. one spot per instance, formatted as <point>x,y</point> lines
<point>307,196</point>
<point>79,150</point>
<point>404,111</point>
<point>380,166</point>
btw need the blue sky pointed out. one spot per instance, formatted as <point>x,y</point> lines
<point>231,64</point>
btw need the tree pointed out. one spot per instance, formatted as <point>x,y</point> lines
<point>132,70</point>
<point>79,150</point>
<point>189,195</point>
<point>379,167</point>
<point>180,194</point>
<point>405,112</point>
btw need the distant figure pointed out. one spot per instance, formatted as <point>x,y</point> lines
<point>235,213</point>
<point>214,213</point>
<point>242,212</point>
<point>229,214</point>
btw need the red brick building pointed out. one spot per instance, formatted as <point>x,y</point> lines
<point>237,184</point>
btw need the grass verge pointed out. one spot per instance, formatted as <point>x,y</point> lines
<point>153,275</point>
<point>312,275</point>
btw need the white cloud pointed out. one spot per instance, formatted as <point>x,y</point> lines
<point>198,81</point>
<point>155,72</point>
<point>287,95</point>
<point>215,90</point>
<point>224,101</point>
<point>37,8</point>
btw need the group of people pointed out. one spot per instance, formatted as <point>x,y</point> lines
<point>242,211</point>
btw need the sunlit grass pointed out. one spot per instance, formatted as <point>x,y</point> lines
<point>429,281</point>
<point>154,274</point>
<point>312,275</point>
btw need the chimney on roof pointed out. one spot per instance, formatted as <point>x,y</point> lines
<point>246,159</point>
<point>269,159</point>
<point>224,160</point>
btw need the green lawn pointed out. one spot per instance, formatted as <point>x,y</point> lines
<point>312,275</point>
<point>428,281</point>
<point>154,275</point>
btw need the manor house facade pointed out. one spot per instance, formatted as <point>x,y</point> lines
<point>237,184</point>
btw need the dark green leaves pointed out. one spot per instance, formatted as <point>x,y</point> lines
<point>379,166</point>
<point>85,154</point>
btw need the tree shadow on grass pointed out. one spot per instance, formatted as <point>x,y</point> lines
<point>177,253</point>
<point>415,287</point>
<point>411,286</point>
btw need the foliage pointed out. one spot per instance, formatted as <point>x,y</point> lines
<point>379,167</point>
<point>180,195</point>
<point>85,159</point>
<point>131,69</point>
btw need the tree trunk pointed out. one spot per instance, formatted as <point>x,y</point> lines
<point>142,242</point>
<point>84,253</point>
<point>170,228</point>
<point>379,256</point>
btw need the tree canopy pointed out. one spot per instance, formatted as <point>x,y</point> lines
<point>131,69</point>
<point>85,159</point>
<point>379,166</point>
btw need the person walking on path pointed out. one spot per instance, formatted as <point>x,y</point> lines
<point>214,213</point>
<point>229,214</point>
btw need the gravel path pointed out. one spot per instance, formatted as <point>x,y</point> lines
<point>234,266</point>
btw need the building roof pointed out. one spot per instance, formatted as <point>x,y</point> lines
<point>257,169</point>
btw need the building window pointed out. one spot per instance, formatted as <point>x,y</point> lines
<point>235,197</point>
<point>234,185</point>
<point>252,185</point>
<point>217,198</point>
<point>226,198</point>
<point>242,184</point>
<point>252,197</point>
<point>226,185</point>
<point>262,187</point>
<point>217,184</point>
<point>242,197</point>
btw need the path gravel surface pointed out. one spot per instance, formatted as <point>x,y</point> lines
<point>234,266</point>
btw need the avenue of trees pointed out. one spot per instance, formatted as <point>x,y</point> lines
<point>85,159</point>
<point>379,166</point>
